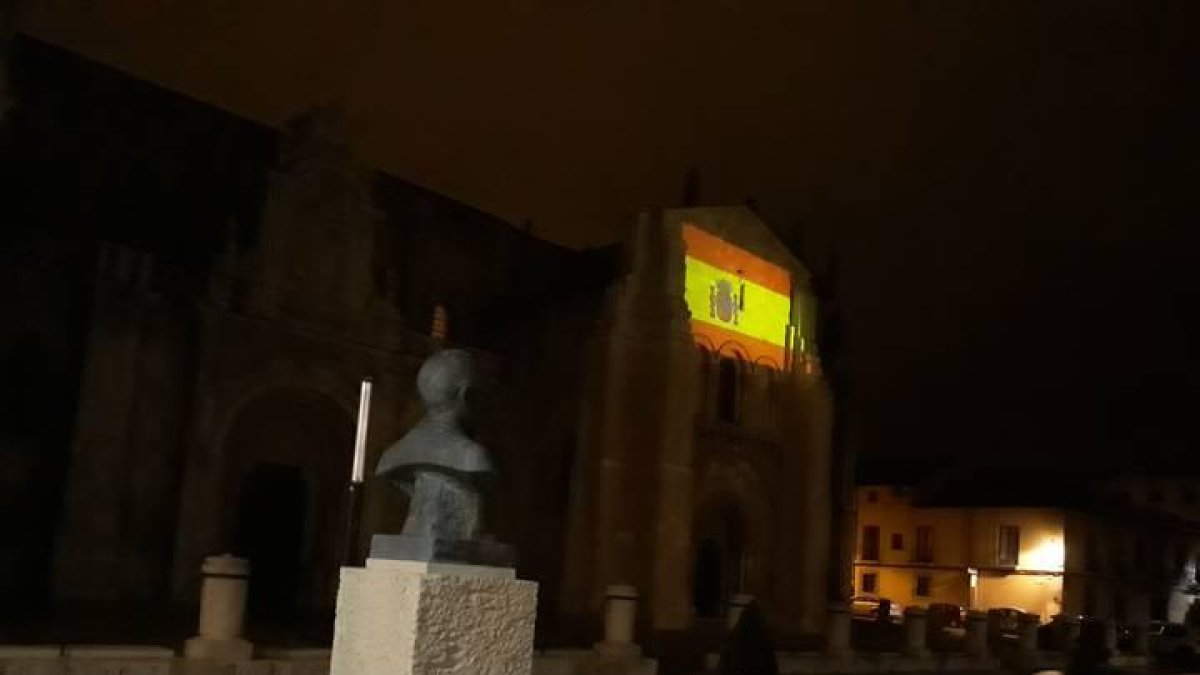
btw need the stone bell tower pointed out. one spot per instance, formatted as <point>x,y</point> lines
<point>312,259</point>
<point>631,510</point>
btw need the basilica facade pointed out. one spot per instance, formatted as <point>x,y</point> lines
<point>210,293</point>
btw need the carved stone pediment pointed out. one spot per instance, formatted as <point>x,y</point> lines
<point>318,232</point>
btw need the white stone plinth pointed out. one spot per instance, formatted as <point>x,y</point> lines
<point>837,630</point>
<point>1028,636</point>
<point>914,632</point>
<point>977,635</point>
<point>620,611</point>
<point>414,618</point>
<point>737,604</point>
<point>222,609</point>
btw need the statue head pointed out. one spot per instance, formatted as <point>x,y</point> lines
<point>448,385</point>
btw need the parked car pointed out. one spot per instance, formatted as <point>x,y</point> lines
<point>947,618</point>
<point>1005,623</point>
<point>867,607</point>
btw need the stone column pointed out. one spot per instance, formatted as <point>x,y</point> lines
<point>914,631</point>
<point>1029,634</point>
<point>738,603</point>
<point>977,634</point>
<point>620,610</point>
<point>222,608</point>
<point>837,630</point>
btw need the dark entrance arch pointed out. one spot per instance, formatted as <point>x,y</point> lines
<point>720,558</point>
<point>288,455</point>
<point>271,516</point>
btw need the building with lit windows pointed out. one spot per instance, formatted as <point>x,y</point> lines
<point>1055,547</point>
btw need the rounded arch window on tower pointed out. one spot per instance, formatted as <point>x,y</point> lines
<point>728,376</point>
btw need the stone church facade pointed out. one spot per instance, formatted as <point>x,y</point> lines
<point>216,362</point>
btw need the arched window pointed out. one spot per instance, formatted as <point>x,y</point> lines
<point>727,387</point>
<point>440,326</point>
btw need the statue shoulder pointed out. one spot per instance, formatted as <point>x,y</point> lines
<point>472,457</point>
<point>433,447</point>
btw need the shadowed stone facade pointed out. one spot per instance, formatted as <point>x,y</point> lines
<point>237,282</point>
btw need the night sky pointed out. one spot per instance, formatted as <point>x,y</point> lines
<point>1007,186</point>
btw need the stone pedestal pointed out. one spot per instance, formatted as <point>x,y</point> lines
<point>399,617</point>
<point>738,603</point>
<point>837,630</point>
<point>914,631</point>
<point>1139,611</point>
<point>977,635</point>
<point>222,609</point>
<point>620,612</point>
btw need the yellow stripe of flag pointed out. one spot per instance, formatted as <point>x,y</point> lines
<point>764,313</point>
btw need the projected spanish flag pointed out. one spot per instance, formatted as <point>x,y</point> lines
<point>736,297</point>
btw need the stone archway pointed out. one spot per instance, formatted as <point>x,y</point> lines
<point>731,534</point>
<point>720,554</point>
<point>287,455</point>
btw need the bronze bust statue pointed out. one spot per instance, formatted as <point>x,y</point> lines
<point>443,469</point>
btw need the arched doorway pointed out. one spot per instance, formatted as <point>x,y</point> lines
<point>720,555</point>
<point>272,513</point>
<point>288,454</point>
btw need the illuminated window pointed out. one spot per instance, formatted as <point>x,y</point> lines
<point>727,375</point>
<point>924,549</point>
<point>441,323</point>
<point>1008,546</point>
<point>897,541</point>
<point>870,542</point>
<point>870,582</point>
<point>923,586</point>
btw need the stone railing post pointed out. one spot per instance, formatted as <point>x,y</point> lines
<point>620,613</point>
<point>737,604</point>
<point>1108,635</point>
<point>1139,612</point>
<point>1141,638</point>
<point>837,630</point>
<point>1028,637</point>
<point>977,634</point>
<point>914,631</point>
<point>222,609</point>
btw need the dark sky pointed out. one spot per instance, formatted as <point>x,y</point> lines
<point>1027,283</point>
<point>1007,185</point>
